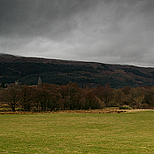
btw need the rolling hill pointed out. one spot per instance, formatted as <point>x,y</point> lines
<point>28,69</point>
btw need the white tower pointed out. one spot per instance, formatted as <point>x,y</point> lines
<point>39,81</point>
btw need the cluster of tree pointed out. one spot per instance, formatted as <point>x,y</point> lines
<point>45,97</point>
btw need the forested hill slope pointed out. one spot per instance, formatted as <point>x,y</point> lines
<point>27,71</point>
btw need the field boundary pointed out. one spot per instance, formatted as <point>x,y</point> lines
<point>95,111</point>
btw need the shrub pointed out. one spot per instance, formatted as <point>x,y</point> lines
<point>125,107</point>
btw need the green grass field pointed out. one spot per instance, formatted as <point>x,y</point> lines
<point>131,132</point>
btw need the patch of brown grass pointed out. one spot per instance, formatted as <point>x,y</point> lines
<point>96,111</point>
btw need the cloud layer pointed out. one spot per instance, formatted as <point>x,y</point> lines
<point>107,31</point>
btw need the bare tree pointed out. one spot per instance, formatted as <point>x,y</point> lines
<point>11,95</point>
<point>26,97</point>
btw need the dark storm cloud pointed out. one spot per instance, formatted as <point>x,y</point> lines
<point>110,31</point>
<point>37,18</point>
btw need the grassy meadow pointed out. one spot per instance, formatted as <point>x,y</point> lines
<point>131,132</point>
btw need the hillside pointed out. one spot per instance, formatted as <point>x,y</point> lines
<point>27,70</point>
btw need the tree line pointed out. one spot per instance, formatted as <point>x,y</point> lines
<point>49,97</point>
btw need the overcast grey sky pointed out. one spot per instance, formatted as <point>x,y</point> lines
<point>106,31</point>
